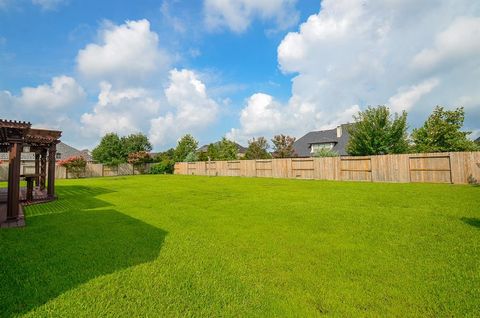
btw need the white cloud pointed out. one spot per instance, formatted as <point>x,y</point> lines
<point>407,98</point>
<point>63,92</point>
<point>263,116</point>
<point>49,4</point>
<point>193,110</point>
<point>127,53</point>
<point>459,42</point>
<point>376,52</point>
<point>185,107</point>
<point>123,111</point>
<point>238,15</point>
<point>47,105</point>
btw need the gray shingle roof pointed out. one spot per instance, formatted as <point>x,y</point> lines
<point>303,145</point>
<point>65,151</point>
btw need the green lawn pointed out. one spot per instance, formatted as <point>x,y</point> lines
<point>198,246</point>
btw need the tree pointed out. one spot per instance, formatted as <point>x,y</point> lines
<point>114,150</point>
<point>186,145</point>
<point>227,149</point>
<point>258,149</point>
<point>166,155</point>
<point>165,162</point>
<point>212,151</point>
<point>191,157</point>
<point>110,151</point>
<point>139,159</point>
<point>441,132</point>
<point>283,146</point>
<point>135,143</point>
<point>377,132</point>
<point>75,165</point>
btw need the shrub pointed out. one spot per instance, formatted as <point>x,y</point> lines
<point>325,153</point>
<point>75,165</point>
<point>163,167</point>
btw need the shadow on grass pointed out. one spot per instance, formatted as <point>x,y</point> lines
<point>65,245</point>
<point>472,221</point>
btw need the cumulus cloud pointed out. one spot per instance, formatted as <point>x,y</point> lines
<point>193,110</point>
<point>264,116</point>
<point>47,105</point>
<point>63,92</point>
<point>122,111</point>
<point>126,53</point>
<point>184,107</point>
<point>413,55</point>
<point>238,15</point>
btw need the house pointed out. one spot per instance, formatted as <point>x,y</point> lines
<point>240,149</point>
<point>335,139</point>
<point>64,151</point>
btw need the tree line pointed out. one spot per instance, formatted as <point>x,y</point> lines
<point>375,131</point>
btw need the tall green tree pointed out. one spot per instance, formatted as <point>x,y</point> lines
<point>227,150</point>
<point>377,132</point>
<point>441,132</point>
<point>212,151</point>
<point>258,149</point>
<point>135,143</point>
<point>110,150</point>
<point>186,145</point>
<point>283,146</point>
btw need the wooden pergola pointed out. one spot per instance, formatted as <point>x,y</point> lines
<point>14,137</point>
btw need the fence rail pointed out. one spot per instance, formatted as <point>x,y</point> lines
<point>452,167</point>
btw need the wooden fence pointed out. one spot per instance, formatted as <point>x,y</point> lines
<point>92,170</point>
<point>453,167</point>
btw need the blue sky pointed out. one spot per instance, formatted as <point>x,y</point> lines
<point>237,68</point>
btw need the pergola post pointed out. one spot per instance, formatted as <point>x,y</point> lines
<point>37,169</point>
<point>51,170</point>
<point>43,168</point>
<point>14,163</point>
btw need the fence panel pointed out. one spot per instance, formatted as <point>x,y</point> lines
<point>390,168</point>
<point>327,168</point>
<point>263,168</point>
<point>124,169</point>
<point>303,168</point>
<point>430,169</point>
<point>233,168</point>
<point>281,168</point>
<point>110,171</point>
<point>94,170</point>
<point>356,169</point>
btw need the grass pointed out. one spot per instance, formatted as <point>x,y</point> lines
<point>198,246</point>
